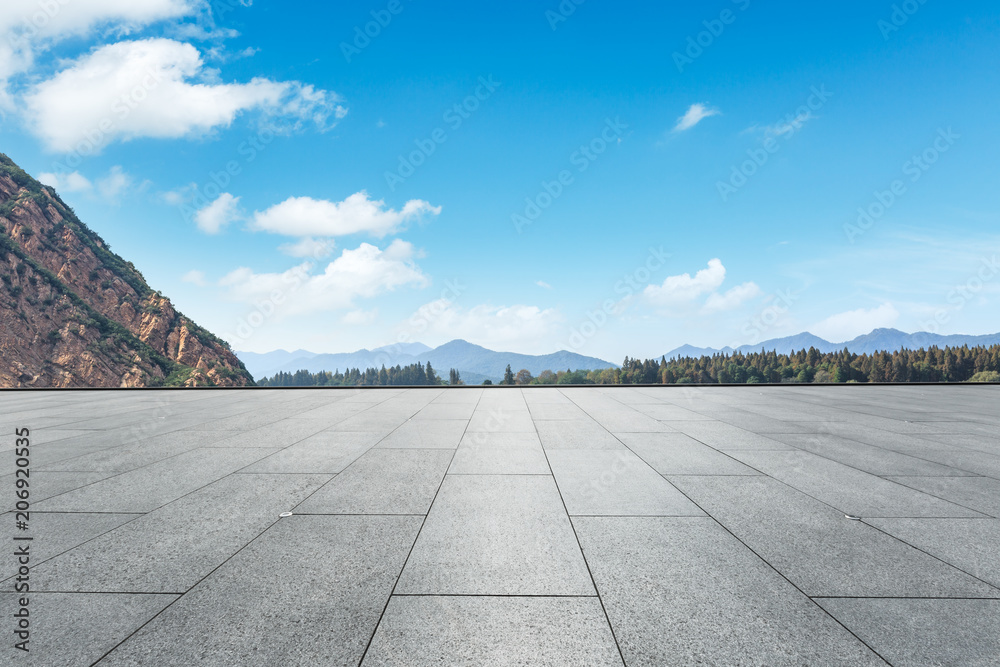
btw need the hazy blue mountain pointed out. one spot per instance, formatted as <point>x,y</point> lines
<point>473,362</point>
<point>260,364</point>
<point>695,352</point>
<point>470,358</point>
<point>789,344</point>
<point>879,340</point>
<point>892,339</point>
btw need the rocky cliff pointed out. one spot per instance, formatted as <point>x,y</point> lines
<point>74,314</point>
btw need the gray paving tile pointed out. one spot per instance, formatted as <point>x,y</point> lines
<point>431,630</point>
<point>931,633</point>
<point>325,452</point>
<point>628,421</point>
<point>383,481</point>
<point>501,420</point>
<point>724,436</point>
<point>155,485</point>
<point>426,434</point>
<point>496,535</point>
<point>667,412</point>
<point>280,433</point>
<point>309,591</point>
<point>679,454</point>
<point>979,463</point>
<point>483,453</point>
<point>50,484</point>
<point>869,458</point>
<point>171,549</point>
<point>446,411</point>
<point>683,591</point>
<point>818,549</point>
<point>56,533</point>
<point>129,457</point>
<point>577,434</point>
<point>556,411</point>
<point>969,544</point>
<point>849,490</point>
<point>375,422</point>
<point>615,483</point>
<point>980,442</point>
<point>70,629</point>
<point>978,493</point>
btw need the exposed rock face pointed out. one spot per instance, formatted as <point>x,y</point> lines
<point>74,314</point>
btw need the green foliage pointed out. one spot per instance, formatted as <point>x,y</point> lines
<point>508,376</point>
<point>413,375</point>
<point>986,376</point>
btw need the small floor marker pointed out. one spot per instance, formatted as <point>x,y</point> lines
<point>284,514</point>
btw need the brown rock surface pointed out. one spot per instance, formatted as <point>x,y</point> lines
<point>74,314</point>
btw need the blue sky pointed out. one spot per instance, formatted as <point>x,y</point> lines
<point>609,178</point>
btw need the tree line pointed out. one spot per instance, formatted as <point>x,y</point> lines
<point>960,364</point>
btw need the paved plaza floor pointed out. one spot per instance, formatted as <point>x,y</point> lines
<point>661,526</point>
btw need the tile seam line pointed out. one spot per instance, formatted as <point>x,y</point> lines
<point>576,536</point>
<point>416,537</point>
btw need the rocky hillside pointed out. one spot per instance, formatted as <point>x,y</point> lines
<point>74,314</point>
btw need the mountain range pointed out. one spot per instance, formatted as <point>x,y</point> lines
<point>879,340</point>
<point>75,314</point>
<point>476,363</point>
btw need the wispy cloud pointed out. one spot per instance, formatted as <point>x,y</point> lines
<point>846,326</point>
<point>543,284</point>
<point>695,114</point>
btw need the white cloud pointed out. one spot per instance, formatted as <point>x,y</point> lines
<point>305,216</point>
<point>308,247</point>
<point>730,299</point>
<point>695,114</point>
<point>213,217</point>
<point>360,317</point>
<point>682,289</point>
<point>71,182</point>
<point>159,88</point>
<point>195,277</point>
<point>843,327</point>
<point>788,126</point>
<point>112,186</point>
<point>518,327</point>
<point>28,27</point>
<point>543,284</point>
<point>362,273</point>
